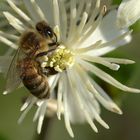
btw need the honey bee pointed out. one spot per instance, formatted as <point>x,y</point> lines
<point>25,66</point>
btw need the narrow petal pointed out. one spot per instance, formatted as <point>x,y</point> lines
<point>34,15</point>
<point>54,82</point>
<point>64,22</point>
<point>103,99</point>
<point>56,13</point>
<point>73,12</point>
<point>59,98</point>
<point>66,112</point>
<point>41,117</point>
<point>82,40</point>
<point>81,102</point>
<point>8,42</point>
<point>107,31</point>
<point>108,78</point>
<point>56,16</point>
<point>102,61</point>
<point>89,48</point>
<point>16,23</point>
<point>37,113</point>
<point>26,104</point>
<point>119,60</point>
<point>9,36</point>
<point>38,10</point>
<point>89,102</point>
<point>114,107</point>
<point>19,12</point>
<point>23,115</point>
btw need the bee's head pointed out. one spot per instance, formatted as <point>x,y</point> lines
<point>46,31</point>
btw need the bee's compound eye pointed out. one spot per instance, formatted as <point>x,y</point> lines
<point>49,32</point>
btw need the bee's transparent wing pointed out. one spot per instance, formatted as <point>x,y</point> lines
<point>4,63</point>
<point>12,78</point>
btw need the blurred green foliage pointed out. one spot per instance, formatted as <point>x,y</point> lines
<point>117,1</point>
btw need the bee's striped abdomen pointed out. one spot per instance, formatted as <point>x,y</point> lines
<point>33,80</point>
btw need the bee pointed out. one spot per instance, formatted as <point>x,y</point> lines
<point>25,67</point>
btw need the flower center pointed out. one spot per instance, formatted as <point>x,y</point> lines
<point>61,59</point>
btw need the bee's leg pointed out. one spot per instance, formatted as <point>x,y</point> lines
<point>45,52</point>
<point>42,54</point>
<point>53,44</point>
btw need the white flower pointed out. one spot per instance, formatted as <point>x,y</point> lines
<point>128,13</point>
<point>85,35</point>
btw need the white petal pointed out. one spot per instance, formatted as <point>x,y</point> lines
<point>108,78</point>
<point>75,112</point>
<point>59,98</point>
<point>37,113</point>
<point>113,106</point>
<point>19,11</point>
<point>47,8</point>
<point>23,115</point>
<point>102,61</point>
<point>9,36</point>
<point>41,116</point>
<point>38,10</point>
<point>87,99</point>
<point>54,83</point>
<point>128,13</point>
<point>27,102</point>
<point>82,103</point>
<point>15,22</point>
<point>8,42</point>
<point>40,123</point>
<point>107,31</point>
<point>103,99</point>
<point>52,78</point>
<point>119,60</point>
<point>33,13</point>
<point>56,13</point>
<point>66,111</point>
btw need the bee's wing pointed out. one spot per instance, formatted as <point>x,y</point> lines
<point>12,78</point>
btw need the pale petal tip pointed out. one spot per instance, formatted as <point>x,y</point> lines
<point>58,116</point>
<point>117,110</point>
<point>70,132</point>
<point>130,62</point>
<point>40,123</point>
<point>116,67</point>
<point>134,90</point>
<point>5,92</point>
<point>19,121</point>
<point>38,131</point>
<point>107,127</point>
<point>72,135</point>
<point>96,130</point>
<point>23,107</point>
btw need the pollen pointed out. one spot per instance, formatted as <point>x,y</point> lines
<point>61,59</point>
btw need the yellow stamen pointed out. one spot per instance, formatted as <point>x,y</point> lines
<point>61,59</point>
